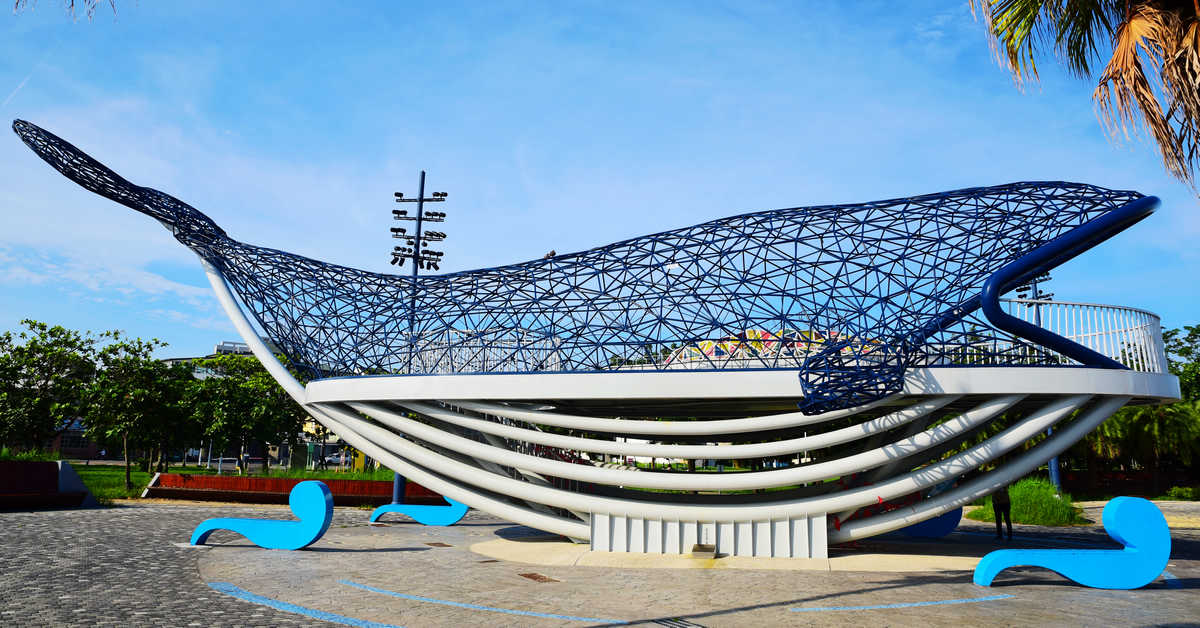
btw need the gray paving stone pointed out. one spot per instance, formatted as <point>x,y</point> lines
<point>121,567</point>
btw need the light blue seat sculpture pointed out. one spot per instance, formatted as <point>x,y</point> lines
<point>1131,521</point>
<point>427,515</point>
<point>311,502</point>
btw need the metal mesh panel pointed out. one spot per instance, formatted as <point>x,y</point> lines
<point>849,295</point>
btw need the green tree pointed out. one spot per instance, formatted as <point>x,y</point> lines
<point>137,400</point>
<point>1151,436</point>
<point>1183,359</point>
<point>1151,55</point>
<point>44,374</point>
<point>242,404</point>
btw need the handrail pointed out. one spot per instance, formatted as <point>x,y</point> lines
<point>1051,255</point>
<point>1129,308</point>
<point>1128,335</point>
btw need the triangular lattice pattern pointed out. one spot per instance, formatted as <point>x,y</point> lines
<point>841,293</point>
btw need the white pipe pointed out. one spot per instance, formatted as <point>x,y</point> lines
<point>983,485</point>
<point>293,388</point>
<point>474,499</point>
<point>665,428</point>
<point>914,481</point>
<point>700,481</point>
<point>752,450</point>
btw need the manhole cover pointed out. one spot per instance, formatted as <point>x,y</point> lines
<point>439,544</point>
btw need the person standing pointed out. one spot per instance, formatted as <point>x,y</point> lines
<point>1002,506</point>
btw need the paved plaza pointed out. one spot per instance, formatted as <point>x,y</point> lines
<point>129,565</point>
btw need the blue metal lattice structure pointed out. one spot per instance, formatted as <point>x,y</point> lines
<point>848,295</point>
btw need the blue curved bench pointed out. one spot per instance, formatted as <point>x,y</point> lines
<point>427,515</point>
<point>1131,521</point>
<point>311,502</point>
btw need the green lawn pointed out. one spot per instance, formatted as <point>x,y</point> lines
<point>1034,503</point>
<point>328,474</point>
<point>107,482</point>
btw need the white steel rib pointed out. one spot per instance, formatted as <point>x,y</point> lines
<point>627,448</point>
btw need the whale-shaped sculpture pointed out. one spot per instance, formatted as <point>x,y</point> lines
<point>853,294</point>
<point>310,501</point>
<point>1135,523</point>
<point>852,357</point>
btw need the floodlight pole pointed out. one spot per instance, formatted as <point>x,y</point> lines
<point>1052,464</point>
<point>399,254</point>
<point>412,304</point>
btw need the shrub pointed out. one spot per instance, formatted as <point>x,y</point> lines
<point>1034,503</point>
<point>1184,493</point>
<point>33,455</point>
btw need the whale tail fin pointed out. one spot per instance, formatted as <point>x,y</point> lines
<point>185,221</point>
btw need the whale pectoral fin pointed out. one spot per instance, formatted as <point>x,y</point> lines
<point>310,501</point>
<point>426,515</point>
<point>1131,521</point>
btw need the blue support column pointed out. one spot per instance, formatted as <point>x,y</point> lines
<point>398,485</point>
<point>1055,478</point>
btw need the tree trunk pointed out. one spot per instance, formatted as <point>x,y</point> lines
<point>1092,460</point>
<point>1155,476</point>
<point>125,451</point>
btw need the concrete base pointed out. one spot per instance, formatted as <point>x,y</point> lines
<point>795,537</point>
<point>554,552</point>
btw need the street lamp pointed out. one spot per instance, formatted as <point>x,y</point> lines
<point>413,248</point>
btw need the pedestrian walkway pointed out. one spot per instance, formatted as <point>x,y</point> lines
<point>126,566</point>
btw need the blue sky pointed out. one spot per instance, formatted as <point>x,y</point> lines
<point>552,126</point>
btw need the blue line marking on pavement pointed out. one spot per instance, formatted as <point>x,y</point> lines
<point>1171,580</point>
<point>477,607</point>
<point>242,594</point>
<point>901,605</point>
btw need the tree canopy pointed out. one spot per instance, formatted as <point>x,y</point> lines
<point>1150,52</point>
<point>44,374</point>
<point>53,379</point>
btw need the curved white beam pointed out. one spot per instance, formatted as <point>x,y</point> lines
<point>925,477</point>
<point>699,481</point>
<point>986,484</point>
<point>664,428</point>
<point>472,498</point>
<point>225,296</point>
<point>716,452</point>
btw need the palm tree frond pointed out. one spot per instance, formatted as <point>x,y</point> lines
<point>1145,45</point>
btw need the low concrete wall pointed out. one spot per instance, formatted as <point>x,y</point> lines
<point>39,485</point>
<point>269,490</point>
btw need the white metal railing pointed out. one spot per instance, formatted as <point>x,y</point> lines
<point>1128,335</point>
<point>480,350</point>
